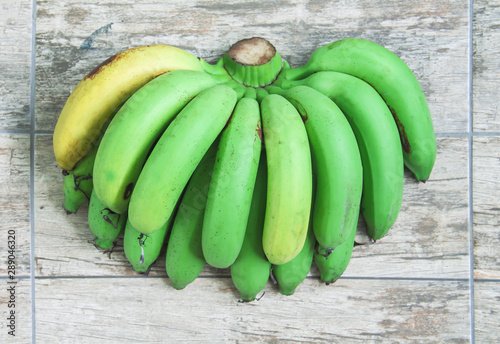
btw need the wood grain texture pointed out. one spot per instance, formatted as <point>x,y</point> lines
<point>430,234</point>
<point>486,92</point>
<point>23,328</point>
<point>15,62</point>
<point>487,308</point>
<point>486,207</point>
<point>62,241</point>
<point>132,310</point>
<point>14,200</point>
<point>431,37</point>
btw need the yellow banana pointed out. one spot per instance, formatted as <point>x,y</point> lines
<point>98,95</point>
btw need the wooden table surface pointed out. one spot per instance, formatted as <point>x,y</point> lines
<point>435,278</point>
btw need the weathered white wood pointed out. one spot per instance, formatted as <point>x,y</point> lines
<point>486,93</point>
<point>486,201</point>
<point>15,61</point>
<point>486,313</point>
<point>14,202</point>
<point>22,312</point>
<point>62,241</point>
<point>135,310</point>
<point>430,236</point>
<point>74,36</point>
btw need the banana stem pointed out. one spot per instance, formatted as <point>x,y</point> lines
<point>253,62</point>
<point>295,73</point>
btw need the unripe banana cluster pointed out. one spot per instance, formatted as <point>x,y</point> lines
<point>245,164</point>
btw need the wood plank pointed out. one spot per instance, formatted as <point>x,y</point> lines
<point>429,239</point>
<point>14,201</point>
<point>430,236</point>
<point>15,62</point>
<point>62,241</point>
<point>486,77</point>
<point>74,36</point>
<point>486,200</point>
<point>487,311</point>
<point>21,319</point>
<point>136,310</point>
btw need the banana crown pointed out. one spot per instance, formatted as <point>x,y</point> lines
<point>253,62</point>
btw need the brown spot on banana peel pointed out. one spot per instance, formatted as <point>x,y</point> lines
<point>259,131</point>
<point>302,111</point>
<point>110,60</point>
<point>229,120</point>
<point>160,74</point>
<point>402,131</point>
<point>99,67</point>
<point>128,191</point>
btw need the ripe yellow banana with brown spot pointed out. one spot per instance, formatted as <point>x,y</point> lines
<point>99,94</point>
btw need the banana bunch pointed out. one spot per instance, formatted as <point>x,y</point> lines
<point>246,164</point>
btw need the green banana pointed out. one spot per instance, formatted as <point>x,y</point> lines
<point>338,169</point>
<point>331,266</point>
<point>104,224</point>
<point>378,140</point>
<point>261,94</point>
<point>176,155</point>
<point>256,93</point>
<point>397,85</point>
<point>231,186</point>
<point>135,129</point>
<point>289,187</point>
<point>77,184</point>
<point>250,272</point>
<point>291,274</point>
<point>184,258</point>
<point>250,93</point>
<point>142,250</point>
